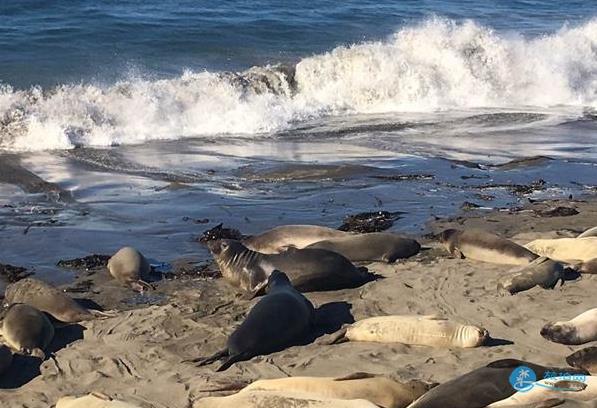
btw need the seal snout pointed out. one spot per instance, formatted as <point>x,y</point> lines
<point>559,333</point>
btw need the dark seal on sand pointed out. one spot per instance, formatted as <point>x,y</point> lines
<point>282,318</point>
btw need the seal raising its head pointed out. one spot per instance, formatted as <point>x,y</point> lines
<point>27,330</point>
<point>308,269</point>
<point>129,266</point>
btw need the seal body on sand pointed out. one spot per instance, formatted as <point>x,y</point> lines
<point>481,387</point>
<point>93,400</point>
<point>283,317</point>
<point>5,358</point>
<point>484,246</point>
<point>375,246</point>
<point>585,359</point>
<point>279,399</point>
<point>307,269</point>
<point>580,330</point>
<point>27,330</point>
<point>565,249</point>
<point>48,299</point>
<point>419,330</point>
<point>541,272</point>
<point>591,232</point>
<point>382,391</point>
<point>280,238</point>
<point>129,267</point>
<point>583,389</point>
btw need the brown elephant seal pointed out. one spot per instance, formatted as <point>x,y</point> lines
<point>283,317</point>
<point>591,232</point>
<point>574,388</point>
<point>279,399</point>
<point>280,238</point>
<point>27,330</point>
<point>93,400</point>
<point>5,358</point>
<point>484,246</point>
<point>585,359</point>
<point>416,330</point>
<point>580,330</point>
<point>565,249</point>
<point>541,272</point>
<point>382,391</point>
<point>482,386</point>
<point>49,299</point>
<point>129,267</point>
<point>308,269</point>
<point>375,246</point>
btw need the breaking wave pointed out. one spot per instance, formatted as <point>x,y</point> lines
<point>436,65</point>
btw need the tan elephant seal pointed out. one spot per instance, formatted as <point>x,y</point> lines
<point>49,299</point>
<point>308,269</point>
<point>129,267</point>
<point>417,330</point>
<point>27,330</point>
<point>573,387</point>
<point>580,330</point>
<point>93,400</point>
<point>375,246</point>
<point>279,399</point>
<point>566,249</point>
<point>541,272</point>
<point>484,246</point>
<point>382,391</point>
<point>280,238</point>
<point>585,359</point>
<point>591,232</point>
<point>5,358</point>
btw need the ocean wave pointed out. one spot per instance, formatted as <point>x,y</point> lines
<point>437,65</point>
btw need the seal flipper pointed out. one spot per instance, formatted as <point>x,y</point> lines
<point>550,403</point>
<point>356,376</point>
<point>334,338</point>
<point>570,386</point>
<point>103,315</point>
<point>235,359</point>
<point>201,361</point>
<point>141,285</point>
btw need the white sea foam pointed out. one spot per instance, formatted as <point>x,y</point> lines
<point>437,65</point>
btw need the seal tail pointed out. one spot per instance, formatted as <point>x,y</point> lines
<point>202,361</point>
<point>233,359</point>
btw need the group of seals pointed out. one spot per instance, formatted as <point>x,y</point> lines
<point>308,269</point>
<point>580,330</point>
<point>281,318</point>
<point>417,330</point>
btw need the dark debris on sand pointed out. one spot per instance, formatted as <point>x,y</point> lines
<point>406,177</point>
<point>187,269</point>
<point>93,261</point>
<point>557,212</point>
<point>13,273</point>
<point>518,189</point>
<point>219,232</point>
<point>370,221</point>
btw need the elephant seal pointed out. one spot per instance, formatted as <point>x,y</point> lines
<point>591,232</point>
<point>553,388</point>
<point>418,330</point>
<point>375,246</point>
<point>541,272</point>
<point>129,267</point>
<point>482,386</point>
<point>580,330</point>
<point>588,267</point>
<point>565,249</point>
<point>585,359</point>
<point>49,299</point>
<point>381,391</point>
<point>484,246</point>
<point>27,330</point>
<point>279,399</point>
<point>5,358</point>
<point>280,238</point>
<point>93,400</point>
<point>283,317</point>
<point>307,269</point>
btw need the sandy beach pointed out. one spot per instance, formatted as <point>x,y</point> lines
<point>138,356</point>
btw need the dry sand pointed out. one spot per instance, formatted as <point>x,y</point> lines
<point>138,356</point>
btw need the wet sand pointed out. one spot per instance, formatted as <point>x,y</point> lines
<point>138,355</point>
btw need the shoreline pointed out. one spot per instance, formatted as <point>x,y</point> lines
<point>137,355</point>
